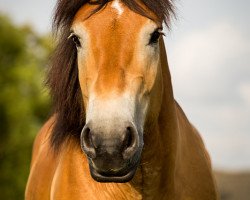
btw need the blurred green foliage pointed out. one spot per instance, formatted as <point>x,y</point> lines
<point>24,102</point>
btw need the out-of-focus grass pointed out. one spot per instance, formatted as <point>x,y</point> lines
<point>24,103</point>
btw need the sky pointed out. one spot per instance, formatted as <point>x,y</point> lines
<point>209,54</point>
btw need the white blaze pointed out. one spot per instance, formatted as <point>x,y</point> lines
<point>117,5</point>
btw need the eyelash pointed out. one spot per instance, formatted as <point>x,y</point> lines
<point>75,39</point>
<point>155,36</point>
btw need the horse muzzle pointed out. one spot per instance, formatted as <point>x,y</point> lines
<point>113,153</point>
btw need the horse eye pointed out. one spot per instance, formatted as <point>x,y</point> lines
<point>76,40</point>
<point>154,37</point>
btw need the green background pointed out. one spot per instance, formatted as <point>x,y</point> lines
<point>24,102</point>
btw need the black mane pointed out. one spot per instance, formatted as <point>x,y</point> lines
<point>63,73</point>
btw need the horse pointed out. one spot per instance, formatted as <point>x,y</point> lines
<point>116,131</point>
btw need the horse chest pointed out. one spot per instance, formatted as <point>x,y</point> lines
<point>94,191</point>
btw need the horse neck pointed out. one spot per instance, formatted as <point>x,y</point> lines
<point>167,121</point>
<point>158,159</point>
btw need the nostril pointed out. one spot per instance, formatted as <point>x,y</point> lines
<point>128,138</point>
<point>87,138</point>
<point>130,142</point>
<point>87,142</point>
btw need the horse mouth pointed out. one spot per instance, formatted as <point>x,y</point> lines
<point>116,178</point>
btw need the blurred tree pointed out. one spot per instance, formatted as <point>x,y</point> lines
<point>24,103</point>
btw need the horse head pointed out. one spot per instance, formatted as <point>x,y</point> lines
<point>117,71</point>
